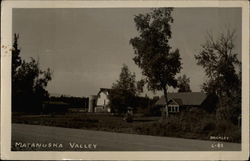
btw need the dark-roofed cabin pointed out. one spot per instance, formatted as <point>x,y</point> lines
<point>181,101</point>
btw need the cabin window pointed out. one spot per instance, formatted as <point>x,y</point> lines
<point>171,108</point>
<point>174,108</point>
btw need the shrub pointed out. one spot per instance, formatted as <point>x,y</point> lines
<point>208,126</point>
<point>235,135</point>
<point>229,109</point>
<point>224,126</point>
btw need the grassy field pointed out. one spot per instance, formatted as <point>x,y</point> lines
<point>103,122</point>
<point>183,127</point>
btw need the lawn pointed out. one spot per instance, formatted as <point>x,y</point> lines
<point>183,126</point>
<point>103,122</point>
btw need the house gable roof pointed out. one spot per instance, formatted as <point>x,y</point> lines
<point>184,98</point>
<point>177,100</point>
<point>104,90</point>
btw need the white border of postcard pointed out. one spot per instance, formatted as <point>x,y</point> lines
<point>6,32</point>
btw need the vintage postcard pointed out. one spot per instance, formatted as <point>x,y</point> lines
<point>125,80</point>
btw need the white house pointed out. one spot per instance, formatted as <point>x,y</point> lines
<point>102,101</point>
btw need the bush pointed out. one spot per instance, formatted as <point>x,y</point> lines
<point>208,126</point>
<point>229,109</point>
<point>236,135</point>
<point>191,120</point>
<point>193,123</point>
<point>224,126</point>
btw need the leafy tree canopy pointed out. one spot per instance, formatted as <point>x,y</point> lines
<point>126,80</point>
<point>28,82</point>
<point>124,91</point>
<point>16,59</point>
<point>219,60</point>
<point>223,70</point>
<point>183,84</point>
<point>152,51</point>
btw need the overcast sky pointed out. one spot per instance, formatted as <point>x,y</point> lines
<point>85,48</point>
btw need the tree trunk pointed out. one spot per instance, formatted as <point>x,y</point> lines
<point>166,99</point>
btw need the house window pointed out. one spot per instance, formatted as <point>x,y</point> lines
<point>173,108</point>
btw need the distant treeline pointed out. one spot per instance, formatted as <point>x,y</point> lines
<point>73,102</point>
<point>144,105</point>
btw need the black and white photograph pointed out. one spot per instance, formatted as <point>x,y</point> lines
<point>127,79</point>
